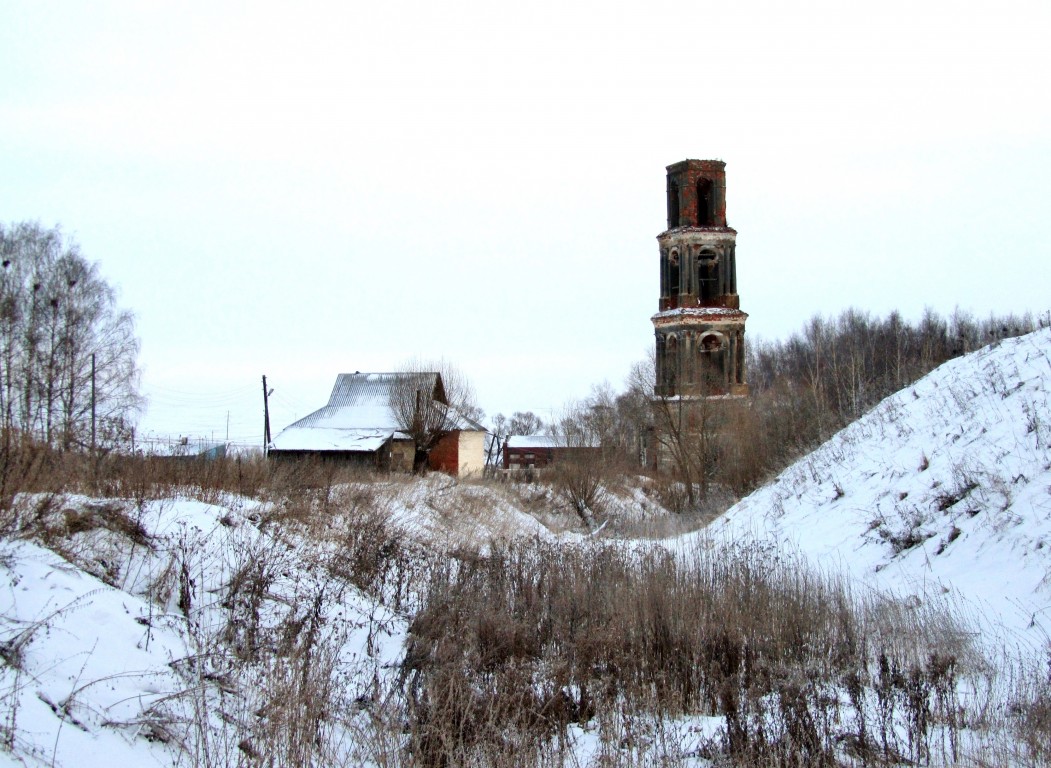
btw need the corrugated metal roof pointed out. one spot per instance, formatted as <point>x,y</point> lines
<point>354,389</point>
<point>332,439</point>
<point>362,400</point>
<point>374,415</point>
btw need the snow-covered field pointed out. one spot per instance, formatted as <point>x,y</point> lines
<point>141,633</point>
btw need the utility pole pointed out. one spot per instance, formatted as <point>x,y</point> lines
<point>266,419</point>
<point>92,402</point>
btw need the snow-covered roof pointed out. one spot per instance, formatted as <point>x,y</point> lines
<point>370,389</point>
<point>358,416</point>
<point>295,438</point>
<point>535,441</point>
<point>550,441</point>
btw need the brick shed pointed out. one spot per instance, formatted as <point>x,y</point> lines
<point>539,451</point>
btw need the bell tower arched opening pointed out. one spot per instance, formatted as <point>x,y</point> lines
<point>673,204</point>
<point>704,202</point>
<point>707,277</point>
<point>674,277</point>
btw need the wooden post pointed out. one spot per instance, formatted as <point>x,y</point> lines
<point>266,420</point>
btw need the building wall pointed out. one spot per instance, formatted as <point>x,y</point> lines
<point>699,355</point>
<point>527,458</point>
<point>471,453</point>
<point>459,453</point>
<point>445,456</point>
<point>402,453</point>
<point>698,268</point>
<point>539,458</point>
<point>697,194</point>
<point>371,459</point>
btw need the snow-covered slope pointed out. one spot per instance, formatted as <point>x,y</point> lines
<point>944,488</point>
<point>147,632</point>
<point>160,625</point>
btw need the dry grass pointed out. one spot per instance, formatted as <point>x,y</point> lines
<point>513,649</point>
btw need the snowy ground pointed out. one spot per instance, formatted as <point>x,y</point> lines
<point>98,675</point>
<point>944,489</point>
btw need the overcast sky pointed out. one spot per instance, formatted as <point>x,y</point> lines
<point>303,189</point>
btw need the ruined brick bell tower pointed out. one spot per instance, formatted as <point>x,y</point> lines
<point>700,326</point>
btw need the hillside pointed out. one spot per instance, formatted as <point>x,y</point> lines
<point>943,489</point>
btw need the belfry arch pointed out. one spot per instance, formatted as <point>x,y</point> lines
<point>704,202</point>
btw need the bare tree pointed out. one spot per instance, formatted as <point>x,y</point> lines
<point>579,473</point>
<point>68,368</point>
<point>430,399</point>
<point>525,423</point>
<point>620,422</point>
<point>686,431</point>
<point>498,434</point>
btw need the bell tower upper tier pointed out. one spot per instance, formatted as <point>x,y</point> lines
<point>697,194</point>
<point>698,250</point>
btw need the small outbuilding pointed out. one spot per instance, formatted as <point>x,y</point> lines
<point>363,424</point>
<point>540,451</point>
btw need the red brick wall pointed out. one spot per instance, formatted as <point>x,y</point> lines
<point>686,174</point>
<point>540,457</point>
<point>445,456</point>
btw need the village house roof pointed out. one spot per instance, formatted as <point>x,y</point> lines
<point>358,415</point>
<point>535,441</point>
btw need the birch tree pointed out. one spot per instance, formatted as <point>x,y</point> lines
<point>68,353</point>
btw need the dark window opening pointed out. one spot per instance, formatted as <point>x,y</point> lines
<point>704,203</point>
<point>661,367</point>
<point>713,363</point>
<point>673,275</point>
<point>671,364</point>
<point>673,204</point>
<point>707,276</point>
